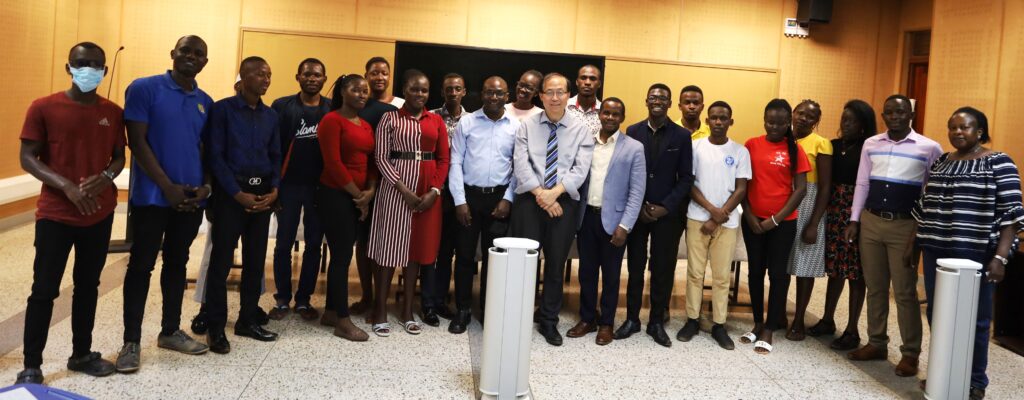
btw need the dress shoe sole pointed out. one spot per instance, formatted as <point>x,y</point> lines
<point>260,338</point>
<point>191,353</point>
<point>220,351</point>
<point>127,370</point>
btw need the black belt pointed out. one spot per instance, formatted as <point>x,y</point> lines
<point>596,210</point>
<point>412,155</point>
<point>487,190</point>
<point>890,215</point>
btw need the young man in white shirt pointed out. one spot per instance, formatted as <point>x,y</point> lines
<point>721,168</point>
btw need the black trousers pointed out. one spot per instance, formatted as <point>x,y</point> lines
<point>483,230</point>
<point>339,218</point>
<point>53,242</point>
<point>664,234</point>
<point>598,257</point>
<point>769,253</point>
<point>155,229</point>
<point>435,280</point>
<point>231,221</point>
<point>555,236</point>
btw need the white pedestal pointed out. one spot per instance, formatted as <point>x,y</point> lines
<point>954,319</point>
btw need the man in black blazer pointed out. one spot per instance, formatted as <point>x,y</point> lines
<point>669,176</point>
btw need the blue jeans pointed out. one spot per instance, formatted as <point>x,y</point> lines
<point>980,362</point>
<point>295,198</point>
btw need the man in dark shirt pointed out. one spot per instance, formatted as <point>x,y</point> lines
<point>245,157</point>
<point>299,116</point>
<point>73,141</point>
<point>669,177</point>
<point>165,115</point>
<point>435,280</point>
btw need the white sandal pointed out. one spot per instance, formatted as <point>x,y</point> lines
<point>748,338</point>
<point>382,329</point>
<point>412,327</point>
<point>762,345</point>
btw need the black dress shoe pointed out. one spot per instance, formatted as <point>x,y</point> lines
<point>444,312</point>
<point>657,331</point>
<point>30,375</point>
<point>460,322</point>
<point>199,323</point>
<point>218,343</point>
<point>691,329</point>
<point>430,317</point>
<point>261,317</point>
<point>551,335</point>
<point>627,329</point>
<point>255,331</point>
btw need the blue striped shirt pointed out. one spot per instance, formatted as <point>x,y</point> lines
<point>967,202</point>
<point>892,173</point>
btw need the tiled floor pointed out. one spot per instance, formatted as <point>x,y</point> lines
<point>308,363</point>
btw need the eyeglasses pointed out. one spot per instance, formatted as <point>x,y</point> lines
<point>494,93</point>
<point>555,93</point>
<point>652,98</point>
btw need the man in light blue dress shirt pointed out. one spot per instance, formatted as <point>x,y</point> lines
<point>481,184</point>
<point>552,159</point>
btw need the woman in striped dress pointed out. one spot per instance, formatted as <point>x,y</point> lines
<point>971,208</point>
<point>807,260</point>
<point>412,156</point>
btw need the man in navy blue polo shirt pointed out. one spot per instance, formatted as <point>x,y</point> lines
<point>299,116</point>
<point>244,145</point>
<point>165,115</point>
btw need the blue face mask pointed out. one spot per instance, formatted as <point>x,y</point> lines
<point>86,78</point>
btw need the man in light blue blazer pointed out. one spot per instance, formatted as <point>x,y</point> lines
<point>610,204</point>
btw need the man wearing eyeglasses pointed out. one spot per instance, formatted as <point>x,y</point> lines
<point>669,177</point>
<point>481,184</point>
<point>436,278</point>
<point>585,105</point>
<point>552,158</point>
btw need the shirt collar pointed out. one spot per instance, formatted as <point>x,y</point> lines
<point>406,114</point>
<point>443,112</point>
<point>171,84</point>
<point>239,102</point>
<point>574,102</point>
<point>653,129</point>
<point>913,136</point>
<point>566,120</point>
<point>481,115</point>
<point>611,139</point>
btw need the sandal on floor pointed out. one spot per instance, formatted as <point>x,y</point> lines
<point>748,338</point>
<point>382,329</point>
<point>795,336</point>
<point>762,347</point>
<point>822,328</point>
<point>412,327</point>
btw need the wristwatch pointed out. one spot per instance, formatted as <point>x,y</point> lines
<point>108,174</point>
<point>436,191</point>
<point>1001,259</point>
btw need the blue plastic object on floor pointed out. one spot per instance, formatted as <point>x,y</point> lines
<point>40,392</point>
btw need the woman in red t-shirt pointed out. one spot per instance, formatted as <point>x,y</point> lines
<point>778,185</point>
<point>347,186</point>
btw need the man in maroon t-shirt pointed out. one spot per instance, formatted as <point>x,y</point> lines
<point>73,141</point>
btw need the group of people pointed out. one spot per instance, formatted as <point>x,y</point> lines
<point>394,185</point>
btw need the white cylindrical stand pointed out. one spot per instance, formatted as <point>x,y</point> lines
<point>954,319</point>
<point>505,359</point>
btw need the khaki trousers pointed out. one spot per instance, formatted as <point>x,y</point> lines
<point>882,243</point>
<point>718,248</point>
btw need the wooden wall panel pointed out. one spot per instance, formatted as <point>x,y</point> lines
<point>731,32</point>
<point>629,28</point>
<point>746,91</point>
<point>836,64</point>
<point>1007,119</point>
<point>531,25</point>
<point>414,20</point>
<point>335,16</point>
<point>284,52</point>
<point>964,62</point>
<point>149,36</point>
<point>28,43</point>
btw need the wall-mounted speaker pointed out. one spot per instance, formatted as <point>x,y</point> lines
<point>814,11</point>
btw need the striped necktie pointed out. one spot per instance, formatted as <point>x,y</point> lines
<point>551,163</point>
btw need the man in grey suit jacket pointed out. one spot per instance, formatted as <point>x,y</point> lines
<point>613,195</point>
<point>550,162</point>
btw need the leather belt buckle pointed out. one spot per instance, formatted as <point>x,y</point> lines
<point>488,190</point>
<point>887,215</point>
<point>254,181</point>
